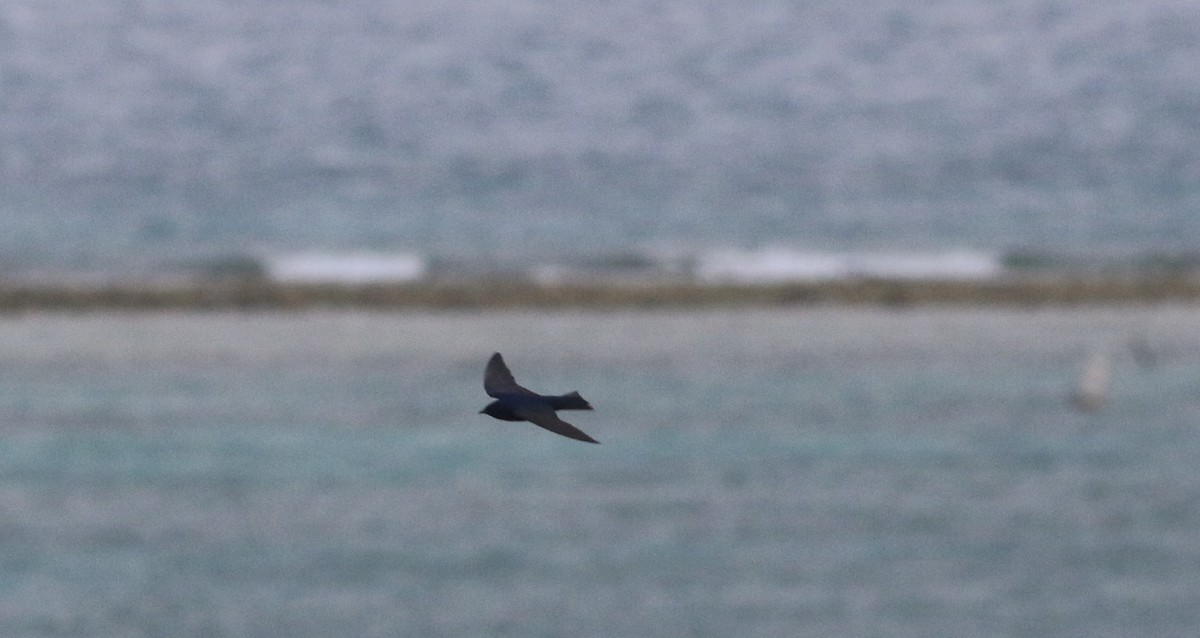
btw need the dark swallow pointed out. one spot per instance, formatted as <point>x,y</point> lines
<point>515,403</point>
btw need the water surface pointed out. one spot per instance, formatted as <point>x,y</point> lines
<point>810,471</point>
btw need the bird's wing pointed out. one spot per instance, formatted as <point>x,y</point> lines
<point>543,416</point>
<point>497,380</point>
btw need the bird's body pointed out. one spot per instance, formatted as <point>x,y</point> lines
<point>515,403</point>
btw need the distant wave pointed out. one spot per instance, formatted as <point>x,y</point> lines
<point>782,265</point>
<point>717,266</point>
<point>348,268</point>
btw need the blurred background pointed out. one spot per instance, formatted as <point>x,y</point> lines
<point>765,139</point>
<point>805,470</point>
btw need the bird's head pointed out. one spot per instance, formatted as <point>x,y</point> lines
<point>497,410</point>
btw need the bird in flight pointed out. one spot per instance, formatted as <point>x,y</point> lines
<point>515,403</point>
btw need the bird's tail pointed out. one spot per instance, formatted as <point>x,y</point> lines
<point>570,401</point>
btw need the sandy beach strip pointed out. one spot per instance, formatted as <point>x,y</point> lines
<point>482,295</point>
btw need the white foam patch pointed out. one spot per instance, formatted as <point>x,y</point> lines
<point>775,265</point>
<point>349,268</point>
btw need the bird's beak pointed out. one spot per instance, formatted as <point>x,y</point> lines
<point>482,411</point>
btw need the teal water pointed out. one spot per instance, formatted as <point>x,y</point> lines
<point>143,136</point>
<point>762,473</point>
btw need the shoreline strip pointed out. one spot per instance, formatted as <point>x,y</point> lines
<point>512,294</point>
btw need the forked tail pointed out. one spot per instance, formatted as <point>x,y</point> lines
<point>570,401</point>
